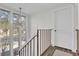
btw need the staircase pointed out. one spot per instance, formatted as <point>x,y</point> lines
<point>37,45</point>
<point>40,45</point>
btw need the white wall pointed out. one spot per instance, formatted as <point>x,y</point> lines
<point>40,21</point>
<point>47,20</point>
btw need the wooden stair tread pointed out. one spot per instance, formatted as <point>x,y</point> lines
<point>48,52</point>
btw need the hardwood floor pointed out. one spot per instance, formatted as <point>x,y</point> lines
<point>61,53</point>
<point>49,51</point>
<point>58,51</point>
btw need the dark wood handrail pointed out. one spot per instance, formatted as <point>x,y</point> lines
<point>27,42</point>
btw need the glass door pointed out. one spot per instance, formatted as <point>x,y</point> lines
<point>19,32</point>
<point>23,30</point>
<point>4,34</point>
<point>15,34</point>
<point>12,33</point>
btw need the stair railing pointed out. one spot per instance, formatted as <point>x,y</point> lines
<point>38,43</point>
<point>27,50</point>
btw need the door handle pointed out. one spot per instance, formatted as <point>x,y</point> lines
<point>55,30</point>
<point>76,29</point>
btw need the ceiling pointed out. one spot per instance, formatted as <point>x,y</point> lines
<point>32,8</point>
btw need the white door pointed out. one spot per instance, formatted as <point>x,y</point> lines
<point>64,28</point>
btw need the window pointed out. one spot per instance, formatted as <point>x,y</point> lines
<point>4,33</point>
<point>18,33</point>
